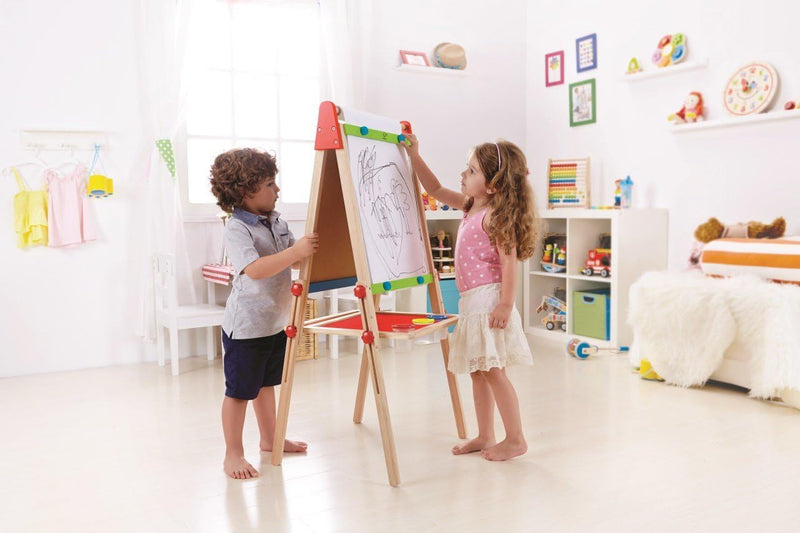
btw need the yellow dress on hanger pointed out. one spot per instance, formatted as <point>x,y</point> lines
<point>30,214</point>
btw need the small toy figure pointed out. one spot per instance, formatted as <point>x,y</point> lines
<point>561,258</point>
<point>547,256</point>
<point>692,110</point>
<point>617,193</point>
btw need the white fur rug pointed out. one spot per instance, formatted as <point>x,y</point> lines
<point>684,323</point>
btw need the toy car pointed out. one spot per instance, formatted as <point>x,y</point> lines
<point>599,262</point>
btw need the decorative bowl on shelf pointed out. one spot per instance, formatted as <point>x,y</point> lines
<point>552,267</point>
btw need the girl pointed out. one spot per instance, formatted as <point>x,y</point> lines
<point>498,229</point>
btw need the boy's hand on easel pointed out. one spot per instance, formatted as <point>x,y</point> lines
<point>307,245</point>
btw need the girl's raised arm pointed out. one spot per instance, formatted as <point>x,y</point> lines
<point>428,179</point>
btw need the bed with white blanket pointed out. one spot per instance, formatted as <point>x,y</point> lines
<point>742,330</point>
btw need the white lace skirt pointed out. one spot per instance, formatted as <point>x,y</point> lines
<point>475,345</point>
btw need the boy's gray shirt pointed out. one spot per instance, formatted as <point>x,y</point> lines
<point>256,307</point>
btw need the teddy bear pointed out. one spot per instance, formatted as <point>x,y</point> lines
<point>714,229</point>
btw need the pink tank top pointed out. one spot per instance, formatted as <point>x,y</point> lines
<point>477,260</point>
<point>69,219</point>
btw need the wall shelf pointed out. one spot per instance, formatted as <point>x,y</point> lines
<point>444,214</point>
<point>736,121</point>
<point>666,71</point>
<point>432,70</point>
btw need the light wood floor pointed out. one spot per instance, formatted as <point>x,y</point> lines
<point>131,449</point>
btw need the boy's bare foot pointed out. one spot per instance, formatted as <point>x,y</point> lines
<point>505,450</point>
<point>474,445</point>
<point>239,468</point>
<point>289,446</point>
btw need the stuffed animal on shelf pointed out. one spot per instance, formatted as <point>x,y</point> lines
<point>714,229</point>
<point>692,110</point>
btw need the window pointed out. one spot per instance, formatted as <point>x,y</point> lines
<point>257,85</point>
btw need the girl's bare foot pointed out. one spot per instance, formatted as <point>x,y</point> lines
<point>505,450</point>
<point>289,446</point>
<point>238,468</point>
<point>474,445</point>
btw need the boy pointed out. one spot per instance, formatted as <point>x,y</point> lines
<point>262,250</point>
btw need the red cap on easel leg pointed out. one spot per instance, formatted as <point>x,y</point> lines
<point>329,134</point>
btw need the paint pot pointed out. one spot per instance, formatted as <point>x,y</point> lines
<point>403,344</point>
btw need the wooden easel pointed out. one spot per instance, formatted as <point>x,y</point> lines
<point>341,262</point>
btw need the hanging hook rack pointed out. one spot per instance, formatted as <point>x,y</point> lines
<point>58,140</point>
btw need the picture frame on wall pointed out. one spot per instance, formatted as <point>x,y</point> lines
<point>419,59</point>
<point>582,103</point>
<point>586,52</point>
<point>554,68</point>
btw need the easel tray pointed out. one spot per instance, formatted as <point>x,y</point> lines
<point>349,324</point>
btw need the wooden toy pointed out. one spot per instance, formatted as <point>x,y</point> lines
<point>581,350</point>
<point>751,89</point>
<point>633,66</point>
<point>692,110</point>
<point>557,312</point>
<point>567,183</point>
<point>599,259</point>
<point>554,255</point>
<point>366,207</point>
<point>671,49</point>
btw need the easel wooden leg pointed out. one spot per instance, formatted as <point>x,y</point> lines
<point>282,417</point>
<point>361,392</point>
<point>382,406</point>
<point>455,395</point>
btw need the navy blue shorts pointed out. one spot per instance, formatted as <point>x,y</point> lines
<point>252,363</point>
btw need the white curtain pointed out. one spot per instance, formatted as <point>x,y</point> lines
<point>346,38</point>
<point>162,39</point>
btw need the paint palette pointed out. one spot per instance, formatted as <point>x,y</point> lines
<point>671,49</point>
<point>751,89</point>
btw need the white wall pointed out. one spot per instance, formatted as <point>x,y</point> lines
<point>451,114</point>
<point>70,66</point>
<point>736,174</point>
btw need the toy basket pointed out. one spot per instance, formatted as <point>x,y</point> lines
<point>307,347</point>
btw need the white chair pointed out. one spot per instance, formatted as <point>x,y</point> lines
<point>176,317</point>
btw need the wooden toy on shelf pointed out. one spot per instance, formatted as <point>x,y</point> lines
<point>671,49</point>
<point>554,253</point>
<point>599,259</point>
<point>556,311</point>
<point>633,66</point>
<point>751,89</point>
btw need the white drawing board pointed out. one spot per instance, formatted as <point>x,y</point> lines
<point>387,202</point>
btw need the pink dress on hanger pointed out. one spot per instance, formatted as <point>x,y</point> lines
<point>69,220</point>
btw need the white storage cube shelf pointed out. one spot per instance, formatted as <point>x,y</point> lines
<point>638,245</point>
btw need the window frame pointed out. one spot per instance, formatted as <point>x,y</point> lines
<point>202,212</point>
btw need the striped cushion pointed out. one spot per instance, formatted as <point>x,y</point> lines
<point>774,259</point>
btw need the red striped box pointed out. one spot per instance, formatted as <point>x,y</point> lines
<point>217,273</point>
